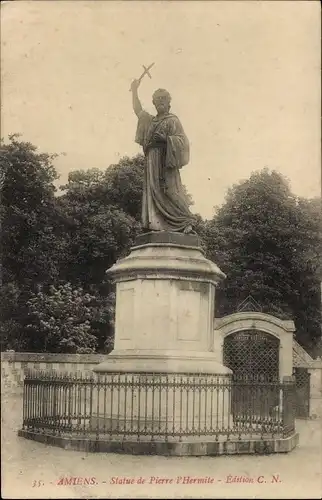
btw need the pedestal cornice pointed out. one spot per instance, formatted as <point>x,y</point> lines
<point>166,256</point>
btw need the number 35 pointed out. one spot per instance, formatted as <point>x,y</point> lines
<point>37,484</point>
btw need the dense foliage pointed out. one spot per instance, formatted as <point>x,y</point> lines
<point>60,320</point>
<point>269,244</point>
<point>55,248</point>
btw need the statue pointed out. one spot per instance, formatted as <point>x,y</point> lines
<point>165,204</point>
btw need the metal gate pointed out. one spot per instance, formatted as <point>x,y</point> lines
<point>302,393</point>
<point>253,356</point>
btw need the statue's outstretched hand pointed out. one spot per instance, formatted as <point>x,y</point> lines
<point>135,85</point>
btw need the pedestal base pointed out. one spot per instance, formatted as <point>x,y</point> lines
<point>162,405</point>
<point>161,361</point>
<point>202,447</point>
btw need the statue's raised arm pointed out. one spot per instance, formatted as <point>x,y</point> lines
<point>137,106</point>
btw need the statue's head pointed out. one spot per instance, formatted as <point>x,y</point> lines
<point>161,100</point>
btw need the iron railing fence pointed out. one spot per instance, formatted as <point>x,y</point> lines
<point>157,406</point>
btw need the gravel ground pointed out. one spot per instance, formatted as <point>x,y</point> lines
<point>32,470</point>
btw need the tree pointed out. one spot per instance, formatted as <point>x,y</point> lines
<point>61,320</point>
<point>268,243</point>
<point>103,209</point>
<point>28,213</point>
<point>118,185</point>
<point>307,303</point>
<point>30,225</point>
<point>13,311</point>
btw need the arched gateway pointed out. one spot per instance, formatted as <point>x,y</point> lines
<point>257,347</point>
<point>253,343</point>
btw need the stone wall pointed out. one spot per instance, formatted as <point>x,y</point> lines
<point>14,365</point>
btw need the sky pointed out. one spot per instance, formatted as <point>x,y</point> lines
<point>244,78</point>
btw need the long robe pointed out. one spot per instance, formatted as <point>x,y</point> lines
<point>165,204</point>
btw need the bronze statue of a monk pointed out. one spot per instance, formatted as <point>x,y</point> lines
<point>165,204</point>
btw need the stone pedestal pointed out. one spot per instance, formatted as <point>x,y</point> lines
<point>165,295</point>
